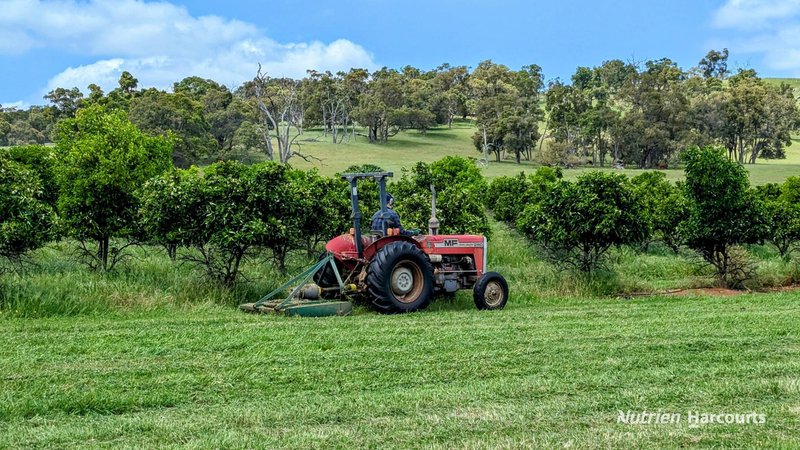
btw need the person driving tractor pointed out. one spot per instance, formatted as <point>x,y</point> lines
<point>390,219</point>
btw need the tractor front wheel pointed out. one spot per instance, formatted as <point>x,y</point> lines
<point>400,279</point>
<point>491,291</point>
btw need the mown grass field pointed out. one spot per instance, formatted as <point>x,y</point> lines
<point>549,374</point>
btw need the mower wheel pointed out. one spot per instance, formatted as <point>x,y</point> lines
<point>491,291</point>
<point>400,279</point>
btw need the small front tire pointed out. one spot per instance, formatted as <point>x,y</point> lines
<point>490,292</point>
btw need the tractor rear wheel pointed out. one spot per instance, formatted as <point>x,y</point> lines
<point>491,291</point>
<point>400,279</point>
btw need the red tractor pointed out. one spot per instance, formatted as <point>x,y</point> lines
<point>399,273</point>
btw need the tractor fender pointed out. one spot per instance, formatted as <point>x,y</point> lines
<point>373,248</point>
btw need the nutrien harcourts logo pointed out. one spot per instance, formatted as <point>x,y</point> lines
<point>690,417</point>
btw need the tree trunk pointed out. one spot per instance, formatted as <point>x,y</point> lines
<point>172,251</point>
<point>102,253</point>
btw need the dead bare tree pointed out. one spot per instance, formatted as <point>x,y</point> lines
<point>281,113</point>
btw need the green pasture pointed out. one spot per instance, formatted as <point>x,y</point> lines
<point>408,147</point>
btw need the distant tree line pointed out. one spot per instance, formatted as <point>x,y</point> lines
<point>616,113</point>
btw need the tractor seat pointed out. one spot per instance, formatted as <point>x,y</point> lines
<point>389,232</point>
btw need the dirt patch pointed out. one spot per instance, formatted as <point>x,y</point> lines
<point>718,292</point>
<point>714,292</point>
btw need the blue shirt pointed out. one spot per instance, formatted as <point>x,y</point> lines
<point>389,219</point>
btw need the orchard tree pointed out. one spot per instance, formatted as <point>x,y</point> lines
<point>42,161</point>
<point>782,210</point>
<point>723,213</point>
<point>26,221</point>
<point>226,231</point>
<point>324,207</point>
<point>664,206</point>
<point>103,160</point>
<point>508,196</point>
<point>783,225</point>
<point>171,209</point>
<point>460,192</point>
<point>576,223</point>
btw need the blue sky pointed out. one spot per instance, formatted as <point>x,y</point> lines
<point>46,44</point>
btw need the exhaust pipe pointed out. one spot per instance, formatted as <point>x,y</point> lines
<point>433,223</point>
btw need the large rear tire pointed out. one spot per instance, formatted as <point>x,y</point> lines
<point>400,279</point>
<point>491,291</point>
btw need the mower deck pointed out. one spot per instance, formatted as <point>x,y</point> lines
<point>300,307</point>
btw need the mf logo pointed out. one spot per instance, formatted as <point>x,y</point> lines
<point>450,242</point>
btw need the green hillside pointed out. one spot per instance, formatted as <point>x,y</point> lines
<point>408,147</point>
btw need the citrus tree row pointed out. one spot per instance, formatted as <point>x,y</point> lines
<point>108,186</point>
<point>714,213</point>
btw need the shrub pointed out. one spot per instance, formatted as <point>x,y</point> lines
<point>576,223</point>
<point>723,212</point>
<point>26,221</point>
<point>102,160</point>
<point>460,192</point>
<point>553,153</point>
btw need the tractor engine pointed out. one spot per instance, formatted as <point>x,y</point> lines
<point>453,272</point>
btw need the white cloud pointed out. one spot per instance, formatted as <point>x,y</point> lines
<point>20,104</point>
<point>767,28</point>
<point>753,14</point>
<point>159,43</point>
